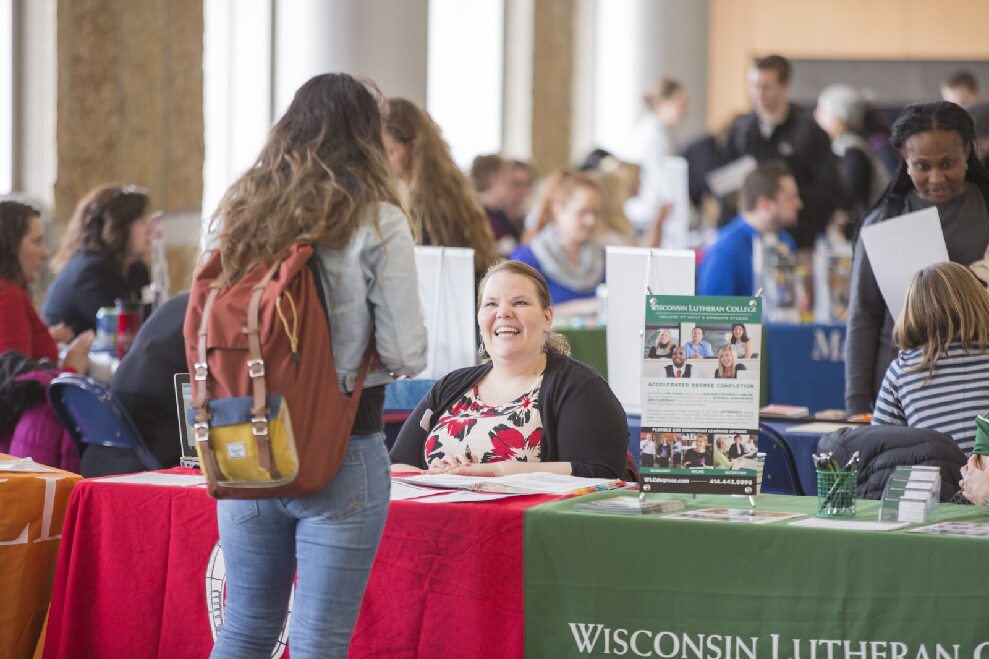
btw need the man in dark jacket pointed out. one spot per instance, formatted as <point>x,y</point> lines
<point>778,130</point>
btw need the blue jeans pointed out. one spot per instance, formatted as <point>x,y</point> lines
<point>330,538</point>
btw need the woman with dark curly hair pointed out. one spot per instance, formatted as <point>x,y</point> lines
<point>22,255</point>
<point>101,258</point>
<point>940,168</point>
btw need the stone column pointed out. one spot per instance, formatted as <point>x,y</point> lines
<point>552,83</point>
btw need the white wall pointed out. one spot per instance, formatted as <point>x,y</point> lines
<point>621,47</point>
<point>465,81</point>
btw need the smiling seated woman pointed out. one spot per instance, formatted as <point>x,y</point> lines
<point>529,408</point>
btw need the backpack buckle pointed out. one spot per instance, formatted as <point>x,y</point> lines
<point>201,429</point>
<point>255,368</point>
<point>259,426</point>
<point>201,371</point>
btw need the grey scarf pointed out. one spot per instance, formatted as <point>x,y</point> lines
<point>583,276</point>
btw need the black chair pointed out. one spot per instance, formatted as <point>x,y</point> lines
<point>93,416</point>
<point>779,475</point>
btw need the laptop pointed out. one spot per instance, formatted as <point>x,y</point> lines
<point>183,399</point>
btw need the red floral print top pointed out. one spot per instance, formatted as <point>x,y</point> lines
<point>486,433</point>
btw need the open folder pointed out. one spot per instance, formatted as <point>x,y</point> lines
<point>529,483</point>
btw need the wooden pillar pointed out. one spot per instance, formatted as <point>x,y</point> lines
<point>130,103</point>
<point>552,83</point>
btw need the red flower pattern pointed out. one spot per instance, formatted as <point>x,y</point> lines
<point>512,431</point>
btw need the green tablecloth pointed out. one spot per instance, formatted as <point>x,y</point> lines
<point>656,587</point>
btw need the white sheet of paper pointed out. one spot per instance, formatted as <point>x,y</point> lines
<point>537,482</point>
<point>154,478</point>
<point>848,524</point>
<point>729,178</point>
<point>901,246</point>
<point>820,427</point>
<point>463,496</point>
<point>446,292</point>
<point>24,465</point>
<point>401,491</point>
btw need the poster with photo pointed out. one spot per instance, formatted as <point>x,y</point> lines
<point>700,394</point>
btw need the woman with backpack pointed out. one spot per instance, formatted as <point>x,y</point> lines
<point>940,168</point>
<point>322,178</point>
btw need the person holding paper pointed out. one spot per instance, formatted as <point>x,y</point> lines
<point>940,168</point>
<point>769,202</point>
<point>940,378</point>
<point>437,194</point>
<point>530,407</point>
<point>562,244</point>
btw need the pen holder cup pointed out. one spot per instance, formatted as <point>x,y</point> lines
<point>836,493</point>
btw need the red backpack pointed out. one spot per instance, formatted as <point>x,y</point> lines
<point>268,415</point>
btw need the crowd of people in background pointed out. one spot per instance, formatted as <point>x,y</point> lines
<point>365,177</point>
<point>823,171</point>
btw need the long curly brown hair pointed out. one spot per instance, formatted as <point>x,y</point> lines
<point>441,198</point>
<point>101,223</point>
<point>323,164</point>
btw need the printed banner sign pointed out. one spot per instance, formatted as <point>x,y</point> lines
<point>700,394</point>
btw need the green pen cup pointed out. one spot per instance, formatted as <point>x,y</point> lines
<point>836,493</point>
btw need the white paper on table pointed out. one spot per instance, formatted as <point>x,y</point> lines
<point>729,178</point>
<point>821,427</point>
<point>901,246</point>
<point>463,496</point>
<point>154,478</point>
<point>538,482</point>
<point>402,491</point>
<point>24,465</point>
<point>848,524</point>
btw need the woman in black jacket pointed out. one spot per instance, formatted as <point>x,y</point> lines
<point>530,408</point>
<point>101,258</point>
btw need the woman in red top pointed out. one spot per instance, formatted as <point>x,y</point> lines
<point>22,253</point>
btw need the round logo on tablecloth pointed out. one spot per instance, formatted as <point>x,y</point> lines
<point>216,579</point>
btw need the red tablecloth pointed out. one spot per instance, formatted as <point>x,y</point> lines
<point>132,578</point>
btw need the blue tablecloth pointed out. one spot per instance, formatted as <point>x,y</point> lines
<point>805,365</point>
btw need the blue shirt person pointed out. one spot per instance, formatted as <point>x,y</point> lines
<point>697,346</point>
<point>769,201</point>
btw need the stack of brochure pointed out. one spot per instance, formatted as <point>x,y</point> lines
<point>630,505</point>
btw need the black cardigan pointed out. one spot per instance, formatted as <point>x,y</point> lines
<point>583,422</point>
